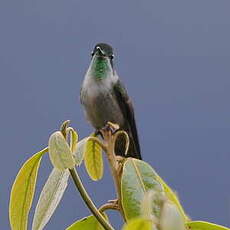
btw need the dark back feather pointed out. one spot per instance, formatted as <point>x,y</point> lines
<point>130,123</point>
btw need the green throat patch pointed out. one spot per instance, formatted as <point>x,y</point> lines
<point>100,68</point>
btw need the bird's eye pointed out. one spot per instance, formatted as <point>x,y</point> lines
<point>112,56</point>
<point>92,53</point>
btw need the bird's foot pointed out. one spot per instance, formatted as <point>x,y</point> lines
<point>112,127</point>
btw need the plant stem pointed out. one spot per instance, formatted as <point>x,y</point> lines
<point>108,206</point>
<point>114,166</point>
<point>88,201</point>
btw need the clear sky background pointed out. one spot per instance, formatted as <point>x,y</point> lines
<point>174,58</point>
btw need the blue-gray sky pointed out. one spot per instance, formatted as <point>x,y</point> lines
<point>174,58</point>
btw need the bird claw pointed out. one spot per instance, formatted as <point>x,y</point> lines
<point>112,127</point>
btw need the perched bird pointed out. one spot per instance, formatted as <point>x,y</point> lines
<point>105,99</point>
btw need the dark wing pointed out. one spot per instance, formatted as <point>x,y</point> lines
<point>128,113</point>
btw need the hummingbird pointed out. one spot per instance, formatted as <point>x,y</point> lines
<point>105,99</point>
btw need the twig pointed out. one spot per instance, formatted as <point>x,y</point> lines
<point>108,206</point>
<point>114,164</point>
<point>88,201</point>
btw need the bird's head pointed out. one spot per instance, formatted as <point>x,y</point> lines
<point>103,50</point>
<point>102,60</point>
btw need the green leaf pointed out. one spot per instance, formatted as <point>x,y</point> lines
<point>22,192</point>
<point>173,197</point>
<point>139,224</point>
<point>202,225</point>
<point>80,151</point>
<point>93,160</point>
<point>50,197</point>
<point>59,152</point>
<point>137,178</point>
<point>87,223</point>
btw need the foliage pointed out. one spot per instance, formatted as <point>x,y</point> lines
<point>144,199</point>
<point>137,178</point>
<point>50,197</point>
<point>87,223</point>
<point>93,159</point>
<point>22,192</point>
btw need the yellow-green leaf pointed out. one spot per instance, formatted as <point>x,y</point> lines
<point>202,225</point>
<point>59,152</point>
<point>73,139</point>
<point>64,127</point>
<point>139,224</point>
<point>50,197</point>
<point>87,223</point>
<point>93,160</point>
<point>22,192</point>
<point>173,197</point>
<point>137,178</point>
<point>80,151</point>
